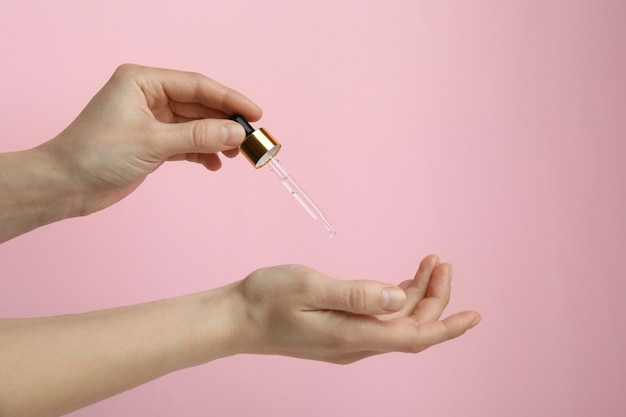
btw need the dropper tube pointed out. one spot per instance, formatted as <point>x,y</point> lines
<point>301,197</point>
<point>260,148</point>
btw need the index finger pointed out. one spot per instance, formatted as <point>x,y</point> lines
<point>192,87</point>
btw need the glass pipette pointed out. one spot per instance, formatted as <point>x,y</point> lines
<point>301,197</point>
<point>260,148</point>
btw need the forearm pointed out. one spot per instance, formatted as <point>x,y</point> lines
<point>50,366</point>
<point>34,191</point>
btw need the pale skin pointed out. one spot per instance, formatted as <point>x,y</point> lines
<point>140,119</point>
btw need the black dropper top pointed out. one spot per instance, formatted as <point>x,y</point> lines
<point>243,122</point>
<point>259,146</point>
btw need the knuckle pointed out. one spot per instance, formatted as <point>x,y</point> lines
<point>125,69</point>
<point>357,298</point>
<point>201,135</point>
<point>306,281</point>
<point>416,345</point>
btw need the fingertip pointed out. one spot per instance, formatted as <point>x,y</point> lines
<point>477,319</point>
<point>248,109</point>
<point>432,259</point>
<point>447,267</point>
<point>232,134</point>
<point>256,115</point>
<point>429,262</point>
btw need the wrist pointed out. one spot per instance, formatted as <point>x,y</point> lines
<point>34,191</point>
<point>215,326</point>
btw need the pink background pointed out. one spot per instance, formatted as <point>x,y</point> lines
<point>492,133</point>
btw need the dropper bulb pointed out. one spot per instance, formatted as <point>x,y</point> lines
<point>243,122</point>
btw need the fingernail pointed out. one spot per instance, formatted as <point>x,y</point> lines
<point>476,320</point>
<point>232,134</point>
<point>393,299</point>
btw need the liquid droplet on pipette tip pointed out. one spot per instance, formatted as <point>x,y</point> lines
<point>332,233</point>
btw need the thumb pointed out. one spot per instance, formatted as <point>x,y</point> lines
<point>362,297</point>
<point>198,136</point>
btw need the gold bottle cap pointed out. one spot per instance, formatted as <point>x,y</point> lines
<point>259,147</point>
